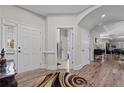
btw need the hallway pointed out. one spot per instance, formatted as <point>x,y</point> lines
<point>106,74</point>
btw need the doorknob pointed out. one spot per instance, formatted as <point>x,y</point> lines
<point>19,47</point>
<point>19,51</point>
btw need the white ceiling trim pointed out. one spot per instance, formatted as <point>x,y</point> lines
<point>45,10</point>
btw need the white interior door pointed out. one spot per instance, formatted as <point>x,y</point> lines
<point>64,44</point>
<point>70,46</point>
<point>85,47</point>
<point>29,49</point>
<point>66,47</point>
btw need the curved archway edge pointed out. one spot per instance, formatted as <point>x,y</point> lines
<point>85,13</point>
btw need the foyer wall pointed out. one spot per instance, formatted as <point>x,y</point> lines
<point>24,17</point>
<point>82,44</point>
<point>48,28</point>
<point>80,29</point>
<point>78,63</point>
<point>54,22</point>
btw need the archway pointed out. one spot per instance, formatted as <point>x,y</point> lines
<point>99,17</point>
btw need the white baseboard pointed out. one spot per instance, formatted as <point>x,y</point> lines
<point>78,67</point>
<point>43,66</point>
<point>52,68</point>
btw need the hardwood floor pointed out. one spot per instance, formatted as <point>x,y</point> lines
<point>109,73</point>
<point>27,79</point>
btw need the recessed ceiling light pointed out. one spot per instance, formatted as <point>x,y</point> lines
<point>103,15</point>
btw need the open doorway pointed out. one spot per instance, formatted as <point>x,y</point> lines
<point>64,48</point>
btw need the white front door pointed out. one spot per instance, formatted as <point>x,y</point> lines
<point>29,49</point>
<point>85,47</point>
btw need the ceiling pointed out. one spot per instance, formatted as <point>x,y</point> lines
<point>45,10</point>
<point>104,15</point>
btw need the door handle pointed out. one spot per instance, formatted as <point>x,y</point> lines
<point>19,47</point>
<point>19,51</point>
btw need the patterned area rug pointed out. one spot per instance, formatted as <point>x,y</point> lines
<point>61,80</point>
